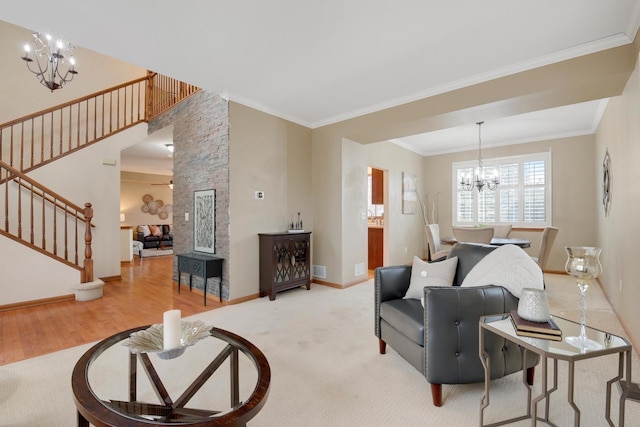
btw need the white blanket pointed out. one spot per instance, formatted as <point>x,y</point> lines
<point>508,266</point>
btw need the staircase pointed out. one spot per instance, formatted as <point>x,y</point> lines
<point>38,217</point>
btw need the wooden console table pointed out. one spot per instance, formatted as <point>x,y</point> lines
<point>203,265</point>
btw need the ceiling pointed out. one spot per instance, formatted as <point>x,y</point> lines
<point>320,62</point>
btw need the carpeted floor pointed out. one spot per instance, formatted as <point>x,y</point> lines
<point>326,370</point>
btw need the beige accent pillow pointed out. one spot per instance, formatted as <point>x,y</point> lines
<point>430,274</point>
<point>156,230</point>
<point>144,229</point>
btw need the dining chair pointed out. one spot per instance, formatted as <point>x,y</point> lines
<point>548,237</point>
<point>502,230</point>
<point>433,238</point>
<point>473,234</point>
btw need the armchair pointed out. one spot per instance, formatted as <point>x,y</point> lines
<point>441,340</point>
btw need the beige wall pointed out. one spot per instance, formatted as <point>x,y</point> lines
<point>404,234</point>
<point>271,155</point>
<point>25,95</point>
<point>619,133</point>
<point>574,200</point>
<point>133,186</point>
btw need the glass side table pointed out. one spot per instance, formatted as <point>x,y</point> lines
<point>501,325</point>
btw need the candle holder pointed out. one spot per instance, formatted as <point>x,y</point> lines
<point>584,264</point>
<point>151,339</point>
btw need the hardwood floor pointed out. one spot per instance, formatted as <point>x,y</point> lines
<point>144,293</point>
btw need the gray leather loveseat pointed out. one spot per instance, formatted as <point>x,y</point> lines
<point>441,340</point>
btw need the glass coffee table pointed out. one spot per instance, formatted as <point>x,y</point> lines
<point>502,326</point>
<point>189,389</point>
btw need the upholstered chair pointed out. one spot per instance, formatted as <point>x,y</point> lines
<point>502,230</point>
<point>548,237</point>
<point>473,234</point>
<point>433,238</point>
<point>440,338</point>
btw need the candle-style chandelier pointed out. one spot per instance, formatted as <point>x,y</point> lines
<point>480,181</point>
<point>52,61</point>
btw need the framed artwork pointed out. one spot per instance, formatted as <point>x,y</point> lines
<point>204,224</point>
<point>409,193</point>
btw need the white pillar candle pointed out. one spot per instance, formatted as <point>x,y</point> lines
<point>171,329</point>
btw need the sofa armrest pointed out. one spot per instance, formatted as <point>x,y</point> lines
<point>391,282</point>
<point>139,236</point>
<point>451,334</point>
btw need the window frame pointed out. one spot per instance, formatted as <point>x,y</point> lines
<point>495,163</point>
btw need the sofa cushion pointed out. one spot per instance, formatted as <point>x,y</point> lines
<point>405,316</point>
<point>430,274</point>
<point>156,230</point>
<point>144,229</point>
<point>166,230</point>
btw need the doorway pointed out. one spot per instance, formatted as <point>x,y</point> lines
<point>375,218</point>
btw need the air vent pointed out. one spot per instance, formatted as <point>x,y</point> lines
<point>359,269</point>
<point>320,271</point>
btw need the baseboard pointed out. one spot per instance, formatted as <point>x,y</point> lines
<point>34,303</point>
<point>338,286</point>
<point>111,278</point>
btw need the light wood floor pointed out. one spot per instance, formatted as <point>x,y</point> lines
<point>144,293</point>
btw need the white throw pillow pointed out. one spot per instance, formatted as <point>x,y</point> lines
<point>144,229</point>
<point>430,274</point>
<point>508,266</point>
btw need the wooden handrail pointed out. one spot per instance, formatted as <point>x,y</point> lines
<point>36,139</point>
<point>72,102</point>
<point>49,216</point>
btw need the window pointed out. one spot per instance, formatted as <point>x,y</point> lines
<point>522,199</point>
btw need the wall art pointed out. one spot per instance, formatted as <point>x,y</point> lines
<point>204,224</point>
<point>409,193</point>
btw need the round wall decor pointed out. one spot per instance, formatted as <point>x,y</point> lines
<point>606,183</point>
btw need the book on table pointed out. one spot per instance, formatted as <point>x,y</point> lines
<point>548,330</point>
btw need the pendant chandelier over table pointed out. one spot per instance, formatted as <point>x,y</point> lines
<point>480,181</point>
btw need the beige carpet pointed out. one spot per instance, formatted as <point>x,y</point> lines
<point>326,370</point>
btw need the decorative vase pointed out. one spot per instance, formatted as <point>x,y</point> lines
<point>583,263</point>
<point>534,305</point>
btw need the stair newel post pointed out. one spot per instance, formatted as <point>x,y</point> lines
<point>88,261</point>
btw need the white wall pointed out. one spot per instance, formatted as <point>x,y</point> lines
<point>29,275</point>
<point>80,177</point>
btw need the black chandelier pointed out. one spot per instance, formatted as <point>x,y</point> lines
<point>480,181</point>
<point>52,61</point>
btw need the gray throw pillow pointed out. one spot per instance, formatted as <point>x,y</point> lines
<point>430,274</point>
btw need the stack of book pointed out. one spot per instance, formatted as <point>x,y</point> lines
<point>547,330</point>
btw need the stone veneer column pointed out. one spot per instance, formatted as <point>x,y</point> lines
<point>200,162</point>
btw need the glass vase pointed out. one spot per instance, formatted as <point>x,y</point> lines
<point>584,264</point>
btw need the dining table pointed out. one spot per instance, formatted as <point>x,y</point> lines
<point>495,241</point>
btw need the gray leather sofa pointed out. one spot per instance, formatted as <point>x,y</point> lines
<point>441,340</point>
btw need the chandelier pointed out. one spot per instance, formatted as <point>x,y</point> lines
<point>480,181</point>
<point>52,60</point>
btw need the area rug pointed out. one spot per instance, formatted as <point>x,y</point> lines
<point>146,253</point>
<point>325,371</point>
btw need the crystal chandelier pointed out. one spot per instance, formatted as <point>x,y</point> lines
<point>52,60</point>
<point>480,181</point>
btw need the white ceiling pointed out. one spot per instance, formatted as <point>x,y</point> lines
<point>319,62</point>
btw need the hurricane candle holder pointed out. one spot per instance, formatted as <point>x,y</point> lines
<point>584,264</point>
